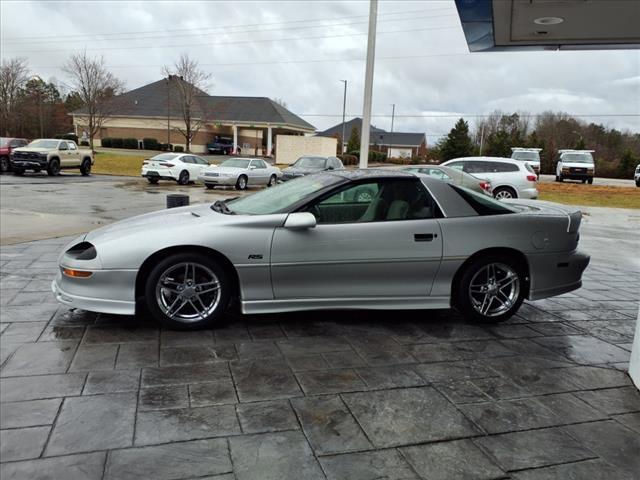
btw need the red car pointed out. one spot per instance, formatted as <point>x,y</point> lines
<point>6,145</point>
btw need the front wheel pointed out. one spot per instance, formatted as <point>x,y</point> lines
<point>53,168</point>
<point>491,289</point>
<point>183,178</point>
<point>5,166</point>
<point>590,181</point>
<point>85,167</point>
<point>241,183</point>
<point>272,180</point>
<point>187,291</point>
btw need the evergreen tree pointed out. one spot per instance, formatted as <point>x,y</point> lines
<point>353,145</point>
<point>458,142</point>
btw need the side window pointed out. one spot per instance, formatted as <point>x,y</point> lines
<point>62,146</point>
<point>505,167</point>
<point>201,161</point>
<point>435,173</point>
<point>186,159</point>
<point>456,165</point>
<point>477,167</point>
<point>258,164</point>
<point>15,143</point>
<point>379,201</point>
<point>72,146</point>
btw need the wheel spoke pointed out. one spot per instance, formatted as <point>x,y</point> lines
<point>170,311</point>
<point>200,314</point>
<point>485,308</point>
<point>506,281</point>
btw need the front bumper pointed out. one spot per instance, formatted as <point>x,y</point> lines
<point>577,176</point>
<point>556,273</point>
<point>207,180</point>
<point>106,291</point>
<point>28,163</point>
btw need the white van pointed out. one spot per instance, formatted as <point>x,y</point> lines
<point>575,165</point>
<point>529,155</point>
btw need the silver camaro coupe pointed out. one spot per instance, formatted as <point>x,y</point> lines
<point>314,243</point>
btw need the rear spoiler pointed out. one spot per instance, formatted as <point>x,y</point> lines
<point>575,218</point>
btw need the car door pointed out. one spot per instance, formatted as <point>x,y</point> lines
<point>64,154</point>
<point>73,154</point>
<point>200,164</point>
<point>258,172</point>
<point>192,167</point>
<point>388,244</point>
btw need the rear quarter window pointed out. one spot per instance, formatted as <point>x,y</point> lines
<point>505,167</point>
<point>481,203</point>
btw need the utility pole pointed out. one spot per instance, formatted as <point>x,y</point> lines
<point>368,85</point>
<point>168,80</point>
<point>393,114</point>
<point>344,108</point>
<point>481,138</point>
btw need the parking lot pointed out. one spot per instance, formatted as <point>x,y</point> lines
<point>337,395</point>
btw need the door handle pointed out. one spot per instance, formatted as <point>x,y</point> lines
<point>424,237</point>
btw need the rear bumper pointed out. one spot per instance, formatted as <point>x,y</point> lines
<point>528,193</point>
<point>556,273</point>
<point>158,173</point>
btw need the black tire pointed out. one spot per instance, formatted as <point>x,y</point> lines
<point>209,186</point>
<point>467,302</point>
<point>638,183</point>
<point>5,165</point>
<point>504,192</point>
<point>272,180</point>
<point>156,296</point>
<point>53,168</point>
<point>584,180</point>
<point>241,183</point>
<point>18,172</point>
<point>152,181</point>
<point>590,181</point>
<point>557,178</point>
<point>85,167</point>
<point>183,178</point>
<point>560,179</point>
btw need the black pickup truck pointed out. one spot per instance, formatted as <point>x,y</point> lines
<point>223,146</point>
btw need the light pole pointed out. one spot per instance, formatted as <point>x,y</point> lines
<point>393,114</point>
<point>344,108</point>
<point>368,85</point>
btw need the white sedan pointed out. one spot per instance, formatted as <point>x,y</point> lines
<point>240,173</point>
<point>180,167</point>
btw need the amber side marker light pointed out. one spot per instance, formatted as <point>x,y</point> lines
<point>76,273</point>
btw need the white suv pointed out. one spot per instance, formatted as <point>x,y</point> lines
<point>509,178</point>
<point>575,165</point>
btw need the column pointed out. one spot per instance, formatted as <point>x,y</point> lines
<point>235,139</point>
<point>269,141</point>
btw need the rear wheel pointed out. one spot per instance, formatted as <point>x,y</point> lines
<point>491,288</point>
<point>504,192</point>
<point>209,186</point>
<point>241,184</point>
<point>53,168</point>
<point>187,291</point>
<point>183,178</point>
<point>4,164</point>
<point>85,167</point>
<point>152,180</point>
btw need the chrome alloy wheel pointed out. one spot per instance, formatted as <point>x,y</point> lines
<point>494,289</point>
<point>504,194</point>
<point>188,292</point>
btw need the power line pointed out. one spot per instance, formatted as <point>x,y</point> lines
<point>260,30</point>
<point>238,42</point>
<point>471,115</point>
<point>29,39</point>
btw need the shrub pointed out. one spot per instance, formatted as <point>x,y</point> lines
<point>116,143</point>
<point>377,156</point>
<point>178,148</point>
<point>166,147</point>
<point>107,142</point>
<point>151,144</point>
<point>131,143</point>
<point>348,159</point>
<point>355,153</point>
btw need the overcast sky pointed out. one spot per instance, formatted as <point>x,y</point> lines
<point>298,51</point>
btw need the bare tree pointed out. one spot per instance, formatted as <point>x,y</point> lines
<point>96,87</point>
<point>280,102</point>
<point>13,76</point>
<point>189,83</point>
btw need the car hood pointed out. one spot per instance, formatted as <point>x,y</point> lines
<point>32,149</point>
<point>302,171</point>
<point>220,169</point>
<point>542,208</point>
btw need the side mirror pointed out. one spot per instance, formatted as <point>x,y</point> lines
<point>300,221</point>
<point>252,167</point>
<point>329,168</point>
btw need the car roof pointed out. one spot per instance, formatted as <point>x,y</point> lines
<point>365,173</point>
<point>489,159</point>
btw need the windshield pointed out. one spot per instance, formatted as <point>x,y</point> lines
<point>236,163</point>
<point>530,156</point>
<point>483,204</point>
<point>44,144</point>
<point>577,157</point>
<point>164,157</point>
<point>310,162</point>
<point>4,142</point>
<point>282,197</point>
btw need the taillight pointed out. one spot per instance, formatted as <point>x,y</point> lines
<point>485,186</point>
<point>166,165</point>
<point>532,178</point>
